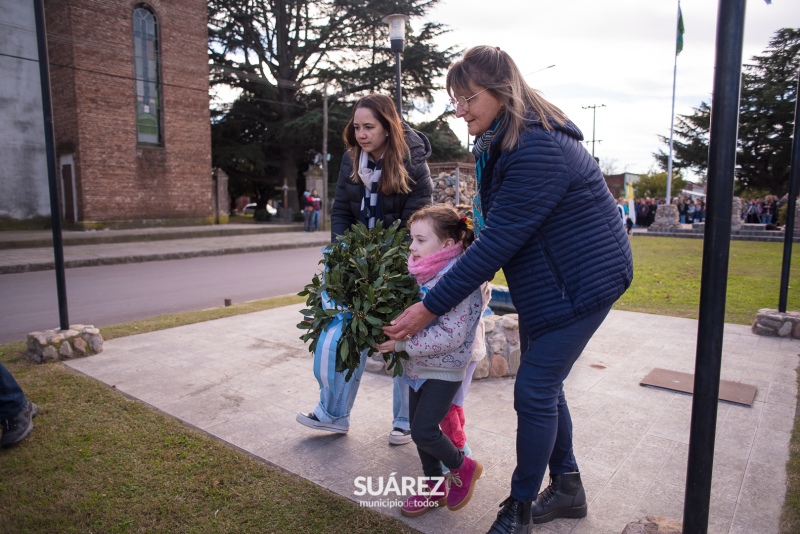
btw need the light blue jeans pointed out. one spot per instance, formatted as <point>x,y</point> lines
<point>336,401</point>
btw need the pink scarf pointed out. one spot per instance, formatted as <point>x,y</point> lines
<point>426,268</point>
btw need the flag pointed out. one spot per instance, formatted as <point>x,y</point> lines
<point>679,44</point>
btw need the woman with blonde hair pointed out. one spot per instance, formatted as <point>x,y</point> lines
<point>545,216</point>
<point>384,177</point>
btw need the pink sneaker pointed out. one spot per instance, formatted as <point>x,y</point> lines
<point>462,482</point>
<point>417,505</point>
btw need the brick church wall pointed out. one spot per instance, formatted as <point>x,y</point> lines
<point>121,182</point>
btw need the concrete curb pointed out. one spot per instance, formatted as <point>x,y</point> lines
<point>116,260</point>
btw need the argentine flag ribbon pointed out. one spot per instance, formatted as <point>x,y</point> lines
<point>326,351</point>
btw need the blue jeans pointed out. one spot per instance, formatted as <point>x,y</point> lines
<point>315,221</point>
<point>336,401</point>
<point>12,399</point>
<point>544,425</point>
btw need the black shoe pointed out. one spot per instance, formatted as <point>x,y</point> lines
<point>17,428</point>
<point>564,497</point>
<point>513,518</point>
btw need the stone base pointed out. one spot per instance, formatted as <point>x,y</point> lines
<point>56,345</point>
<point>654,525</point>
<point>774,323</point>
<point>666,218</point>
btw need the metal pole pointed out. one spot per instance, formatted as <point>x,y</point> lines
<point>594,121</point>
<point>716,249</point>
<point>324,213</point>
<point>50,148</point>
<point>398,83</point>
<point>672,120</point>
<point>790,208</point>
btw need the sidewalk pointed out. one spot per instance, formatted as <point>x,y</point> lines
<point>244,378</point>
<point>27,251</point>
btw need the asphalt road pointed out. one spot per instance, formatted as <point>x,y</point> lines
<point>114,294</point>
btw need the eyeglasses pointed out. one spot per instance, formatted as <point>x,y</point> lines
<point>464,102</point>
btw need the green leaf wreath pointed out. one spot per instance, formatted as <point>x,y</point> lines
<point>366,275</point>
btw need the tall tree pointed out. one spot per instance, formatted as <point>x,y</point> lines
<point>282,53</point>
<point>654,185</point>
<point>766,121</point>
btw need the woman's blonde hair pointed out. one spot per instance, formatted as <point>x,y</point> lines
<point>394,176</point>
<point>492,68</point>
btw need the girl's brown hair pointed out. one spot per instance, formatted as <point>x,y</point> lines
<point>446,223</point>
<point>492,68</point>
<point>394,176</point>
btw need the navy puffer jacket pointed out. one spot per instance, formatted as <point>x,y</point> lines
<point>347,202</point>
<point>552,226</point>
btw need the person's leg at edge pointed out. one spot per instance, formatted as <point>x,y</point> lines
<point>336,401</point>
<point>16,411</point>
<point>12,399</point>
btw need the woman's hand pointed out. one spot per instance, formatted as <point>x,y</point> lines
<point>386,346</point>
<point>412,320</point>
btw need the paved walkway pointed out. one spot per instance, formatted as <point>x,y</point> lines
<point>242,379</point>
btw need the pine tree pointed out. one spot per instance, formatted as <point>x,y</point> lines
<point>766,121</point>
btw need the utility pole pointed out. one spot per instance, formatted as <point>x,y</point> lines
<point>594,118</point>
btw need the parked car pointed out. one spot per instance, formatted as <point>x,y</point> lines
<point>250,209</point>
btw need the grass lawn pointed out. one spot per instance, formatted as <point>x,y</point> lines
<point>99,462</point>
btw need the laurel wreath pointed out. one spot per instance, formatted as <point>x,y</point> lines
<point>366,275</point>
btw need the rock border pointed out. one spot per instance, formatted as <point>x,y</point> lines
<point>56,345</point>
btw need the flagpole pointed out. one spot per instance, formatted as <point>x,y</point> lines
<point>672,116</point>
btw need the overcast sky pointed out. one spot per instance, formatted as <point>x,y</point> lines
<point>615,52</point>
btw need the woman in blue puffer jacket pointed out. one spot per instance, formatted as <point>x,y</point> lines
<point>546,217</point>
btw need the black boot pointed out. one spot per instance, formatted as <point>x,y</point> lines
<point>513,518</point>
<point>564,497</point>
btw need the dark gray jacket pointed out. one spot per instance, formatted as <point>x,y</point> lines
<point>347,202</point>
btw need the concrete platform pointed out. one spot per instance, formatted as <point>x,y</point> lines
<point>243,379</point>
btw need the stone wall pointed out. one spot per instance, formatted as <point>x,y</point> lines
<point>774,323</point>
<point>444,189</point>
<point>55,345</point>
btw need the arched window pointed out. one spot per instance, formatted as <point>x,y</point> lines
<point>147,59</point>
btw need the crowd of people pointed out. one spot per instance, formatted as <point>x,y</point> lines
<point>763,210</point>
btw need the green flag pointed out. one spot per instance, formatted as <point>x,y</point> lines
<point>679,45</point>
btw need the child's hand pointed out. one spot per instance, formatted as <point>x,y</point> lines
<point>386,346</point>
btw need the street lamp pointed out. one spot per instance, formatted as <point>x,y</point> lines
<point>397,32</point>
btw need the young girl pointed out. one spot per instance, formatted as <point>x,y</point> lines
<point>438,360</point>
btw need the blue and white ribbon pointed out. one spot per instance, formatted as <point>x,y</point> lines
<point>325,353</point>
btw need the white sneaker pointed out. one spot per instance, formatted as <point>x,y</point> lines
<point>311,421</point>
<point>398,436</point>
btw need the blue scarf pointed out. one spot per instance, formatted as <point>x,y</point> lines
<point>480,150</point>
